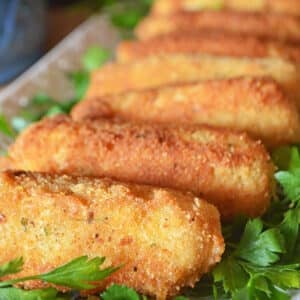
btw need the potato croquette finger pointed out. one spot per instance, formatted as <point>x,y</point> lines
<point>165,239</point>
<point>255,105</point>
<point>229,169</point>
<point>273,26</point>
<point>167,7</point>
<point>157,71</point>
<point>215,43</point>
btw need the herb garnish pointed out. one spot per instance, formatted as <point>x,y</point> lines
<point>77,274</point>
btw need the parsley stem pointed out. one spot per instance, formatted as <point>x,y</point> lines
<point>14,281</point>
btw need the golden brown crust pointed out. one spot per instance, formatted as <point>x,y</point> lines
<point>215,43</point>
<point>255,105</point>
<point>273,26</point>
<point>229,169</point>
<point>167,7</point>
<point>5,163</point>
<point>156,71</point>
<point>165,238</point>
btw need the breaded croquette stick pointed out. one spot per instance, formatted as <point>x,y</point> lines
<point>165,239</point>
<point>229,169</point>
<point>273,26</point>
<point>168,7</point>
<point>215,43</point>
<point>158,71</point>
<point>255,105</point>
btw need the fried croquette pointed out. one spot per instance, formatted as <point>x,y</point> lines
<point>228,169</point>
<point>214,43</point>
<point>168,7</point>
<point>164,239</point>
<point>273,26</point>
<point>156,71</point>
<point>258,106</point>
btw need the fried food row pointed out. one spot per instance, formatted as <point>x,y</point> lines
<point>257,106</point>
<point>285,28</point>
<point>168,7</point>
<point>229,169</point>
<point>214,43</point>
<point>159,70</point>
<point>147,120</point>
<point>165,239</point>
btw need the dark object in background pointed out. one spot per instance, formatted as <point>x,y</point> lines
<point>22,35</point>
<point>61,2</point>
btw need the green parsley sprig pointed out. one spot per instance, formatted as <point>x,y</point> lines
<point>264,261</point>
<point>80,273</point>
<point>38,294</point>
<point>12,267</point>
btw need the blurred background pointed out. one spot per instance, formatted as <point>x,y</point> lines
<point>30,28</point>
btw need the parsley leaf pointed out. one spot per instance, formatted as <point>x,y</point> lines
<point>290,179</point>
<point>282,157</point>
<point>120,292</point>
<point>263,262</point>
<point>290,230</point>
<point>290,182</point>
<point>77,274</point>
<point>126,14</point>
<point>231,274</point>
<point>80,80</point>
<point>6,128</point>
<point>11,267</point>
<point>285,276</point>
<point>39,294</point>
<point>40,106</point>
<point>260,248</point>
<point>95,57</point>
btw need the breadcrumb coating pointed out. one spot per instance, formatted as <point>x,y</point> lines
<point>167,7</point>
<point>214,43</point>
<point>165,239</point>
<point>228,169</point>
<point>258,106</point>
<point>274,26</point>
<point>160,70</point>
